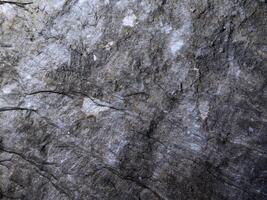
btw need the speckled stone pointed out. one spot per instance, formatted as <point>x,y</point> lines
<point>133,100</point>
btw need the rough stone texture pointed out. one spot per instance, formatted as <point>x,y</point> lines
<point>133,99</point>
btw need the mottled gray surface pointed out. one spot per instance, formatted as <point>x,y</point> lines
<point>133,100</point>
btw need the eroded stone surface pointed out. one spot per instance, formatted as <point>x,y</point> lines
<point>130,99</point>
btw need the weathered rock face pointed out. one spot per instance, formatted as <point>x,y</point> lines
<point>133,99</point>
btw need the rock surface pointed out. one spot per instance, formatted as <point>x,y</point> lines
<point>133,99</point>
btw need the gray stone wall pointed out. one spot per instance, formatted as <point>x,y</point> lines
<point>133,100</point>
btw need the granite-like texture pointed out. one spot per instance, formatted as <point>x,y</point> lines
<point>133,100</point>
